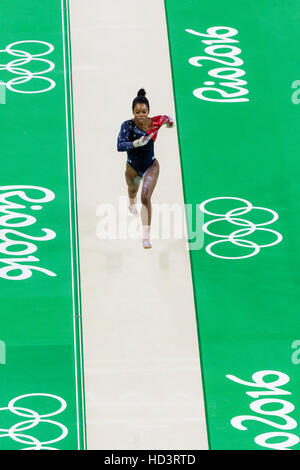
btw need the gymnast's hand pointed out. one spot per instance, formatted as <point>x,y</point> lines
<point>142,140</point>
<point>169,122</point>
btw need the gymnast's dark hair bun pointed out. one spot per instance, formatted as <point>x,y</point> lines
<point>140,98</point>
<point>141,92</point>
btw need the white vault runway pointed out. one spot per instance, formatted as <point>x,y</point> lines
<point>142,370</point>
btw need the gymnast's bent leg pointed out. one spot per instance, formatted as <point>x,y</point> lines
<point>133,180</point>
<point>149,183</point>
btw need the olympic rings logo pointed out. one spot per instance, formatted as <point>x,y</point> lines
<point>24,75</point>
<point>236,237</point>
<point>18,432</point>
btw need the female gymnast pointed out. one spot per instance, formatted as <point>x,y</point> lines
<point>137,137</point>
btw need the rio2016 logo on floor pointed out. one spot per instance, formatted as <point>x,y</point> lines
<point>11,220</point>
<point>219,39</point>
<point>284,407</point>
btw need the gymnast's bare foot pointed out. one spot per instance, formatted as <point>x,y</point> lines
<point>132,206</point>
<point>146,235</point>
<point>146,243</point>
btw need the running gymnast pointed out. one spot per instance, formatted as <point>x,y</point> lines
<point>137,137</point>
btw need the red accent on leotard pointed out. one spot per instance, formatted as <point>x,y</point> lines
<point>157,122</point>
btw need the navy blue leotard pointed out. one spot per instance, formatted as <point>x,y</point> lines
<point>139,158</point>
